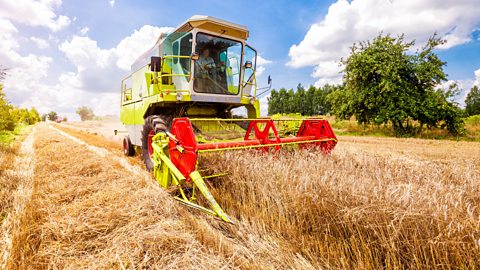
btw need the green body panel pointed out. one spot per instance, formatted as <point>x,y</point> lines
<point>173,79</point>
<point>167,87</point>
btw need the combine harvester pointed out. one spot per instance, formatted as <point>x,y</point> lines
<point>177,104</point>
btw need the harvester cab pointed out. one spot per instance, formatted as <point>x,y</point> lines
<point>177,104</point>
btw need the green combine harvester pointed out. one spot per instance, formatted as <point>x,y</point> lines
<point>177,104</point>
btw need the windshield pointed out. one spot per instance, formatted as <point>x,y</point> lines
<point>217,70</point>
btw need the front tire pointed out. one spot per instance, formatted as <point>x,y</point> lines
<point>153,125</point>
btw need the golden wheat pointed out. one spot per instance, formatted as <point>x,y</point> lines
<point>375,203</point>
<point>413,205</point>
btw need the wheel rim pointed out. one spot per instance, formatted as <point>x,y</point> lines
<point>150,140</point>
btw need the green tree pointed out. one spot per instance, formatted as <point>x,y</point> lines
<point>52,116</point>
<point>7,121</point>
<point>472,102</point>
<point>34,116</point>
<point>309,95</point>
<point>384,83</point>
<point>321,104</point>
<point>85,113</point>
<point>290,101</point>
<point>298,105</point>
<point>282,100</point>
<point>273,102</point>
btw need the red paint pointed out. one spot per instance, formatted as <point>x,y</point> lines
<point>151,134</point>
<point>186,160</point>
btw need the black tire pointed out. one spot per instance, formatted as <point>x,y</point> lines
<point>153,125</point>
<point>128,148</point>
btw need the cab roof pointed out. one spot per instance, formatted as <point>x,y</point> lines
<point>213,24</point>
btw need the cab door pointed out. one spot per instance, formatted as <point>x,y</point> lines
<point>181,49</point>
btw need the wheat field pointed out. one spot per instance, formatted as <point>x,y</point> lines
<point>374,203</point>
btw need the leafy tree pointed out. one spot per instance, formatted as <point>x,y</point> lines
<point>85,113</point>
<point>311,102</point>
<point>289,104</point>
<point>298,105</point>
<point>282,101</point>
<point>7,121</point>
<point>273,100</point>
<point>472,102</point>
<point>309,95</point>
<point>384,83</point>
<point>321,104</point>
<point>44,117</point>
<point>34,115</point>
<point>52,116</point>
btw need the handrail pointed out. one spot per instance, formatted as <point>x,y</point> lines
<point>171,56</point>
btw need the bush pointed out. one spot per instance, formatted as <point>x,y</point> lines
<point>473,120</point>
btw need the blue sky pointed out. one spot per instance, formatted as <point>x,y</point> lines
<point>75,52</point>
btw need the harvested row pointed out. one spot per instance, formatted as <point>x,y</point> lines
<point>91,212</point>
<point>16,184</point>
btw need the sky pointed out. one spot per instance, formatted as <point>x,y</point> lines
<point>63,55</point>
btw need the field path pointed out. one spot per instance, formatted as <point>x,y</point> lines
<point>23,171</point>
<point>92,208</point>
<point>89,209</point>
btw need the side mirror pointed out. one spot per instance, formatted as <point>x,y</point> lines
<point>195,56</point>
<point>269,80</point>
<point>156,64</point>
<point>248,64</point>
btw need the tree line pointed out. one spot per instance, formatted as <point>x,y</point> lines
<point>312,101</point>
<point>386,83</point>
<point>11,116</point>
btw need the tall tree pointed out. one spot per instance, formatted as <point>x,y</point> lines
<point>85,113</point>
<point>384,83</point>
<point>273,107</point>
<point>472,101</point>
<point>309,100</point>
<point>299,100</point>
<point>34,115</point>
<point>52,116</point>
<point>7,121</point>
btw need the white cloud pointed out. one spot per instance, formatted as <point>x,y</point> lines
<point>101,70</point>
<point>261,63</point>
<point>477,77</point>
<point>84,31</point>
<point>41,43</point>
<point>111,3</point>
<point>7,40</point>
<point>141,40</point>
<point>94,82</point>
<point>30,66</point>
<point>34,13</point>
<point>347,22</point>
<point>328,72</point>
<point>464,85</point>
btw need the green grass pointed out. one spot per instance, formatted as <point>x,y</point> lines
<point>8,137</point>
